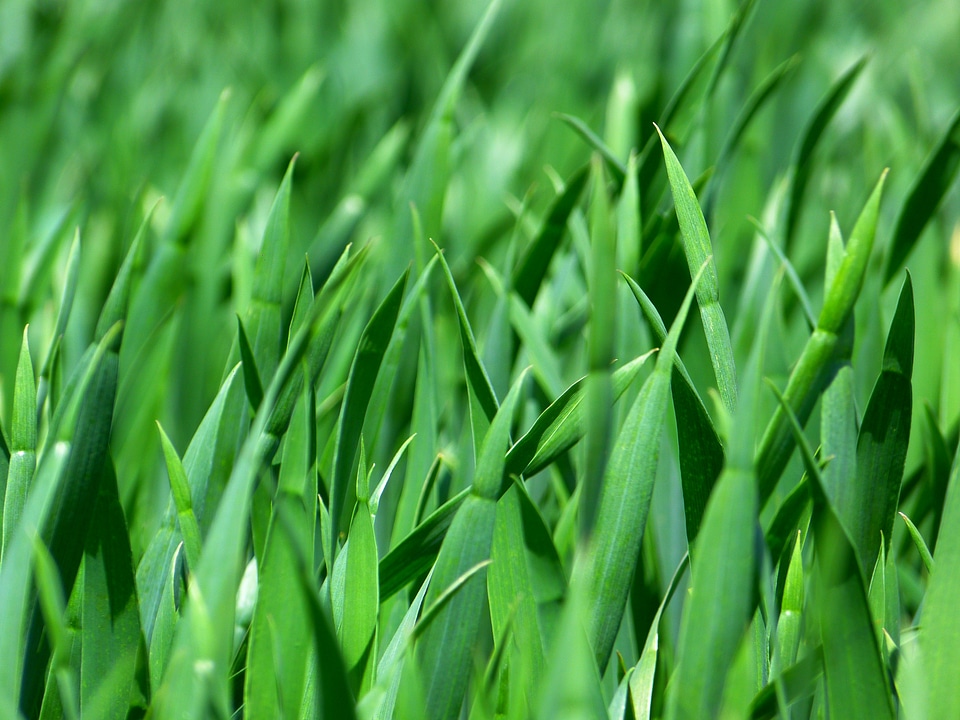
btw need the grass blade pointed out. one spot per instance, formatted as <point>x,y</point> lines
<point>23,444</point>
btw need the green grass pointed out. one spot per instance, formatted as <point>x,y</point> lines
<point>406,360</point>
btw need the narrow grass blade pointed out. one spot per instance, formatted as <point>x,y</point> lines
<point>532,268</point>
<point>812,372</point>
<point>918,540</point>
<point>884,435</point>
<point>614,165</point>
<point>697,248</point>
<point>809,139</point>
<point>701,455</point>
<point>23,444</point>
<point>363,374</point>
<point>251,375</point>
<point>929,187</point>
<point>940,632</point>
<point>180,489</point>
<point>605,572</point>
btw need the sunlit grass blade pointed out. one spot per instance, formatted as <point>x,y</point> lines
<point>605,572</point>
<point>532,269</point>
<point>180,489</point>
<point>802,160</point>
<point>697,248</point>
<point>701,455</point>
<point>811,373</point>
<point>614,164</point>
<point>929,187</point>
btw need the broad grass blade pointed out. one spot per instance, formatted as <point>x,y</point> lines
<point>605,571</point>
<point>701,455</point>
<point>884,435</point>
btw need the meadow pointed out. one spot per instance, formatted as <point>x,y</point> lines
<point>501,359</point>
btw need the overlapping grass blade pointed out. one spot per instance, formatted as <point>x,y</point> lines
<point>558,428</point>
<point>697,248</point>
<point>812,372</point>
<point>605,572</point>
<point>701,455</point>
<point>929,187</point>
<point>856,679</point>
<point>363,373</point>
<point>446,647</point>
<point>884,434</point>
<point>531,271</point>
<point>23,444</point>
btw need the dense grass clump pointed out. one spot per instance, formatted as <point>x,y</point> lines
<point>443,360</point>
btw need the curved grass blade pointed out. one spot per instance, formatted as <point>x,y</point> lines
<point>356,398</point>
<point>813,371</point>
<point>532,268</point>
<point>810,138</point>
<point>701,455</point>
<point>180,489</point>
<point>884,435</point>
<point>918,540</point>
<point>697,248</point>
<point>614,165</point>
<point>605,572</point>
<point>929,187</point>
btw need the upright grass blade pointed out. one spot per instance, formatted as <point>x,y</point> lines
<point>446,647</point>
<point>940,633</point>
<point>23,444</point>
<point>812,133</point>
<point>856,680</point>
<point>532,268</point>
<point>929,187</point>
<point>724,562</point>
<point>605,572</point>
<point>363,374</point>
<point>697,248</point>
<point>812,372</point>
<point>701,454</point>
<point>182,499</point>
<point>884,434</point>
<point>601,341</point>
<point>205,634</point>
